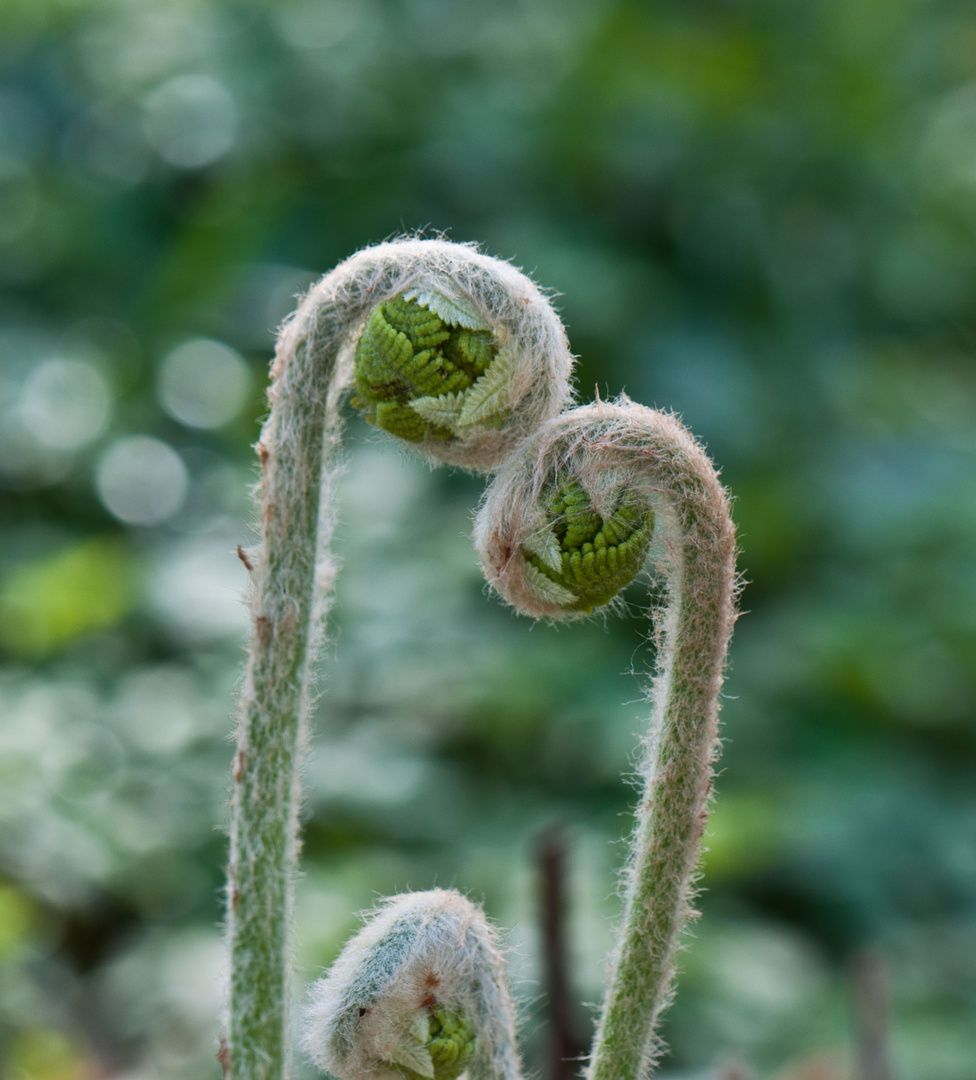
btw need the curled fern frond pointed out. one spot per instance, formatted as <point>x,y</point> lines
<point>583,558</point>
<point>458,354</point>
<point>569,521</point>
<point>415,364</point>
<point>418,994</point>
<point>597,479</point>
<point>462,356</point>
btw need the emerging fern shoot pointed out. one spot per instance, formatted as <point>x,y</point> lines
<point>418,994</point>
<point>460,356</point>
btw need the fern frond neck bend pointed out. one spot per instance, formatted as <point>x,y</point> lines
<point>293,571</point>
<point>622,454</point>
<point>456,353</point>
<point>418,994</point>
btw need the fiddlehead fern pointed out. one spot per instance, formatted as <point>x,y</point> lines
<point>515,339</point>
<point>457,353</point>
<point>625,465</point>
<point>579,557</point>
<point>419,992</point>
<point>430,370</point>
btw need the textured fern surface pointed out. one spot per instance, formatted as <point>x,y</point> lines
<point>418,994</point>
<point>426,368</point>
<point>449,1040</point>
<point>582,558</point>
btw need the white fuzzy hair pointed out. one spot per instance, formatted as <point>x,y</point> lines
<point>414,950</point>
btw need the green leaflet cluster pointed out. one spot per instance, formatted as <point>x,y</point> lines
<point>427,366</point>
<point>582,559</point>
<point>447,1040</point>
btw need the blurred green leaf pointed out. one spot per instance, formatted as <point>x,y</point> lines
<point>47,604</point>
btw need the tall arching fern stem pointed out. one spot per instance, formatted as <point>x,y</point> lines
<point>567,521</point>
<point>461,357</point>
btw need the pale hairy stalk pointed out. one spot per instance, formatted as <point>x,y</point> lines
<point>624,451</point>
<point>293,571</point>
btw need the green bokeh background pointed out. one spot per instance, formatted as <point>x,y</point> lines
<point>759,213</point>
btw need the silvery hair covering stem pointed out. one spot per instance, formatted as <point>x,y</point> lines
<point>419,992</point>
<point>485,320</point>
<point>611,458</point>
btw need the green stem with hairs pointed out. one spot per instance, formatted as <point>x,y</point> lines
<point>692,641</point>
<point>298,448</point>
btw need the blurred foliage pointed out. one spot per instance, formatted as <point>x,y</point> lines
<point>45,605</point>
<point>759,213</point>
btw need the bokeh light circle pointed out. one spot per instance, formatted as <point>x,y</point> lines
<point>65,404</point>
<point>191,120</point>
<point>141,480</point>
<point>203,383</point>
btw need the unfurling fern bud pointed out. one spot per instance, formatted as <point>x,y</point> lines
<point>430,370</point>
<point>418,994</point>
<point>455,352</point>
<point>568,522</point>
<point>581,557</point>
<point>461,356</point>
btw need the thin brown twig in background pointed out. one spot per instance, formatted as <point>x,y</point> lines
<point>733,1070</point>
<point>871,1016</point>
<point>565,1046</point>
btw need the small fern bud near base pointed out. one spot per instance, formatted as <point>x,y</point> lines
<point>418,994</point>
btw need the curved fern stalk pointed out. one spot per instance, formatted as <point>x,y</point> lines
<point>457,321</point>
<point>565,524</point>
